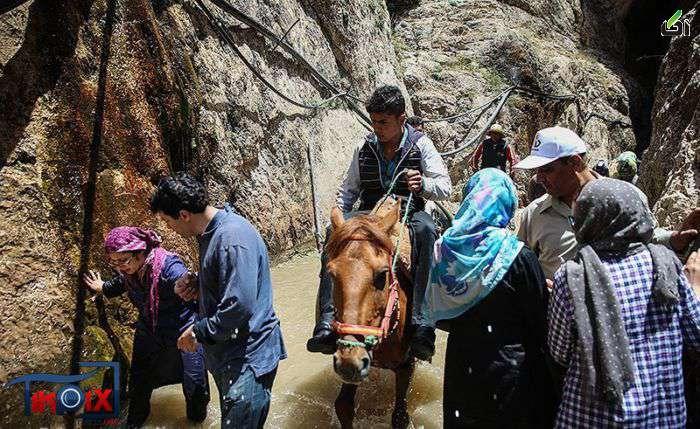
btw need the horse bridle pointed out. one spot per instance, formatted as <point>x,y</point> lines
<point>373,335</point>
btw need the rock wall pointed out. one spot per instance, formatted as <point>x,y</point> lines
<point>175,96</point>
<point>458,54</point>
<point>671,166</point>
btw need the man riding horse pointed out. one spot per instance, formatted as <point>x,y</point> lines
<point>394,149</point>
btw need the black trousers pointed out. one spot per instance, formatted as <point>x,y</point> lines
<point>157,362</point>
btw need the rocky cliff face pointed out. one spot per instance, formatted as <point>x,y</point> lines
<point>671,165</point>
<point>458,54</point>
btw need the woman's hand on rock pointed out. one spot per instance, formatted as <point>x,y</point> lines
<point>94,281</point>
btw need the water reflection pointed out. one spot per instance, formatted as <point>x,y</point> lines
<point>306,386</point>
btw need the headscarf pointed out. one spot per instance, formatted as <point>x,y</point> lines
<point>626,167</point>
<point>475,253</point>
<point>610,218</point>
<point>132,239</point>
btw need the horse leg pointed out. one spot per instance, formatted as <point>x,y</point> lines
<point>345,405</point>
<point>404,374</point>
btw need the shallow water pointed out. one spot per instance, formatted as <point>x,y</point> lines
<point>306,386</point>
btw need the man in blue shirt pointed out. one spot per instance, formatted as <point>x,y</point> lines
<point>239,329</point>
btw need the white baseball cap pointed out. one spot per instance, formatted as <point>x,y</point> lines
<point>551,144</point>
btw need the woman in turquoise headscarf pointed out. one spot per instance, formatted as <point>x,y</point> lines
<point>491,288</point>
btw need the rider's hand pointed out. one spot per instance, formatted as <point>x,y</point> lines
<point>414,180</point>
<point>186,287</point>
<point>94,281</point>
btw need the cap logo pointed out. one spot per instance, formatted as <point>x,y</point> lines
<point>537,144</point>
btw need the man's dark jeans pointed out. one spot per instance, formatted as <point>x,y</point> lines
<point>244,398</point>
<point>423,236</point>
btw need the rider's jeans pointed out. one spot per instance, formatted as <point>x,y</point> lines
<point>423,236</point>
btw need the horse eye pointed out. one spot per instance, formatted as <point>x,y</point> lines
<point>380,279</point>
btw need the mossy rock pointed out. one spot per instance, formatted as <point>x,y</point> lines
<point>97,348</point>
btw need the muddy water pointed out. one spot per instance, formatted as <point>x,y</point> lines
<point>306,386</point>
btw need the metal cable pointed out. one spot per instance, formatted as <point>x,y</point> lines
<point>467,112</point>
<point>492,119</point>
<point>252,23</point>
<point>225,34</point>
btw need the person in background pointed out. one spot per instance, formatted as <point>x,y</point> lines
<point>626,167</point>
<point>490,289</point>
<point>238,328</point>
<point>494,152</point>
<point>601,167</point>
<point>148,274</point>
<point>558,156</point>
<point>416,122</point>
<point>619,316</point>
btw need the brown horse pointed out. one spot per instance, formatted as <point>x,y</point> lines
<point>359,253</point>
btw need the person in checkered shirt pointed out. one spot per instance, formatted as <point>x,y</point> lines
<point>619,316</point>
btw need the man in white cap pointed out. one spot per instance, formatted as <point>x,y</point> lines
<point>558,156</point>
<point>494,152</point>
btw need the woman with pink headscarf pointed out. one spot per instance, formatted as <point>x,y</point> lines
<point>148,273</point>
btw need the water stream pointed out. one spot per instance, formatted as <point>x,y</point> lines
<point>306,386</point>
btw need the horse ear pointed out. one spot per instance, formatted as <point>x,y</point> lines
<point>391,217</point>
<point>337,219</point>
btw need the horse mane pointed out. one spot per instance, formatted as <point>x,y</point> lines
<point>358,228</point>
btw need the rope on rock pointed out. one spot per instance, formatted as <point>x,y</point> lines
<point>90,193</point>
<point>501,98</point>
<point>225,34</point>
<point>279,42</point>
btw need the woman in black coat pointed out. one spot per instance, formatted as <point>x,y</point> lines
<point>491,289</point>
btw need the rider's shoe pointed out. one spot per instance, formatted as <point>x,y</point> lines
<point>323,340</point>
<point>423,343</point>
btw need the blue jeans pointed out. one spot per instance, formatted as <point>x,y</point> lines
<point>244,398</point>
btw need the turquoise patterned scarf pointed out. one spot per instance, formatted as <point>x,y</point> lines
<point>476,252</point>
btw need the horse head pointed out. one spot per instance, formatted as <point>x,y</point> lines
<point>359,262</point>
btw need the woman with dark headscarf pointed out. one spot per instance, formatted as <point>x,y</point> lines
<point>619,315</point>
<point>148,273</point>
<point>491,289</point>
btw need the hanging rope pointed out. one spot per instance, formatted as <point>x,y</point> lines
<point>225,34</point>
<point>281,42</point>
<point>468,112</point>
<point>502,98</point>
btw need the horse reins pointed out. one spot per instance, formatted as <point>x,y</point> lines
<point>374,335</point>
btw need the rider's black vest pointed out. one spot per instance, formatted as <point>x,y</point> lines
<point>371,189</point>
<point>494,154</point>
